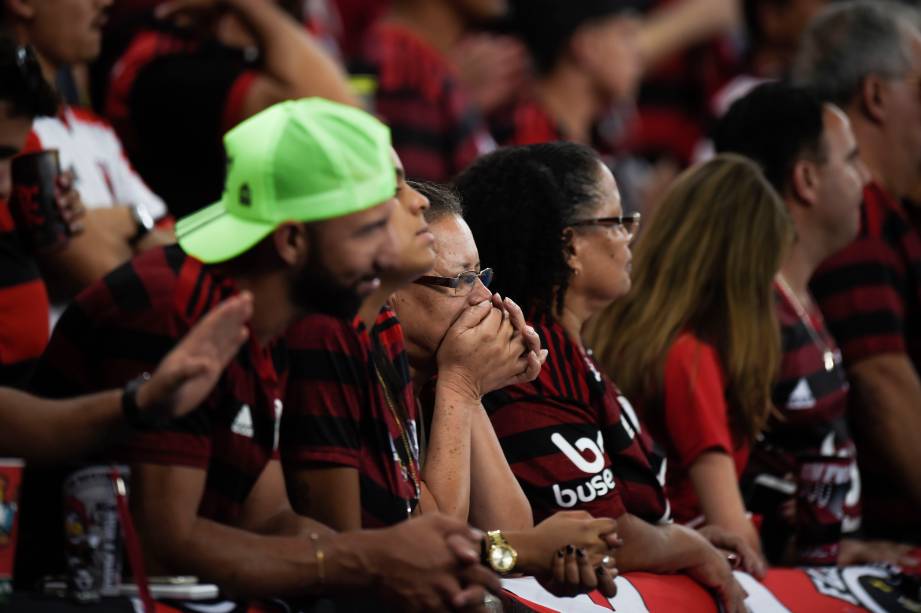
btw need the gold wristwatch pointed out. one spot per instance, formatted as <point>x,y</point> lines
<point>500,556</point>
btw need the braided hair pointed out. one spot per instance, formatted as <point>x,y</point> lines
<point>518,201</point>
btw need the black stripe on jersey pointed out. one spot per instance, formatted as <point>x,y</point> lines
<point>175,257</point>
<point>894,228</point>
<point>314,430</point>
<point>856,274</point>
<point>616,437</point>
<point>877,323</point>
<point>535,443</point>
<point>326,366</point>
<point>191,309</point>
<point>126,288</point>
<point>136,345</point>
<point>383,505</point>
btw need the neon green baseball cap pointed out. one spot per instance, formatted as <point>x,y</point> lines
<point>301,160</point>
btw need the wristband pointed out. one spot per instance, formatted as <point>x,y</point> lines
<point>134,416</point>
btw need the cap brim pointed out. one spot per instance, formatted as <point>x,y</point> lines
<point>212,235</point>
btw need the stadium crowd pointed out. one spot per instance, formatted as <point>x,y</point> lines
<point>383,301</point>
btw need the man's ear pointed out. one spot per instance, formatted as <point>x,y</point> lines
<point>873,98</point>
<point>18,9</point>
<point>292,243</point>
<point>804,183</point>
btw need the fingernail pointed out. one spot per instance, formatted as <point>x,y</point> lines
<point>570,549</point>
<point>559,553</point>
<point>580,552</point>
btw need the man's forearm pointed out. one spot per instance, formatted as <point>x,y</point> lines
<point>291,56</point>
<point>888,411</point>
<point>41,430</point>
<point>248,565</point>
<point>668,548</point>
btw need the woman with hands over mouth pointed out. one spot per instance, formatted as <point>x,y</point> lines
<point>351,424</point>
<point>570,437</point>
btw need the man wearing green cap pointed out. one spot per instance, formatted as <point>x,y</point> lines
<point>302,225</point>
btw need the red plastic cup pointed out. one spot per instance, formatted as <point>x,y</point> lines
<point>10,480</point>
<point>34,201</point>
<point>822,486</point>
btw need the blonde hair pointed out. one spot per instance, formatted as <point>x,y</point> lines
<point>704,264</point>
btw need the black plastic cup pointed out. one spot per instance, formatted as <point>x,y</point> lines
<point>34,202</point>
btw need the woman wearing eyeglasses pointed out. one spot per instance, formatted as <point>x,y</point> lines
<point>696,343</point>
<point>548,218</point>
<point>351,436</point>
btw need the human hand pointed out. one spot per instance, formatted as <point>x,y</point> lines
<point>713,572</point>
<point>69,203</point>
<point>481,352</point>
<point>187,374</point>
<point>491,69</point>
<point>743,556</point>
<point>186,13</point>
<point>430,563</point>
<point>570,552</point>
<point>855,551</point>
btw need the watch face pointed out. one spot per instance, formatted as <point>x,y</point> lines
<point>502,558</point>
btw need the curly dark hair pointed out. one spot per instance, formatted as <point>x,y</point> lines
<point>518,202</point>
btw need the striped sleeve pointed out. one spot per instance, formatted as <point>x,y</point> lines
<point>862,290</point>
<point>327,388</point>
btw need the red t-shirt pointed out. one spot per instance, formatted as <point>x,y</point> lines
<point>693,419</point>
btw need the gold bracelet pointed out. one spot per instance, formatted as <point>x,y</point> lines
<point>321,569</point>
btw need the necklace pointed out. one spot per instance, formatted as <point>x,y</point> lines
<point>412,469</point>
<point>828,356</point>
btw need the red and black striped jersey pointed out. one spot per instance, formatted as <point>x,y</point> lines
<point>812,411</point>
<point>870,296</point>
<point>573,441</point>
<point>435,129</point>
<point>23,306</point>
<point>337,412</point>
<point>124,324</point>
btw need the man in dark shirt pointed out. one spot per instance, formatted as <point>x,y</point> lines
<point>865,57</point>
<point>817,170</point>
<point>302,225</point>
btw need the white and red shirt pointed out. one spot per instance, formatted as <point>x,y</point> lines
<point>88,146</point>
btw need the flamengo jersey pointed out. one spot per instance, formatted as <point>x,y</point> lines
<point>88,146</point>
<point>573,441</point>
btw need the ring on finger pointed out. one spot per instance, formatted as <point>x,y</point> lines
<point>607,561</point>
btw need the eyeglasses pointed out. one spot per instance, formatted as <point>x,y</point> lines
<point>628,224</point>
<point>462,284</point>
